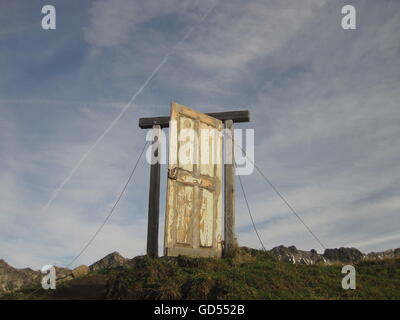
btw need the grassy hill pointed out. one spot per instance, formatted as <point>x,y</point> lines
<point>252,274</point>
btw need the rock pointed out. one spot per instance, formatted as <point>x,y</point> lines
<point>344,255</point>
<point>111,260</point>
<point>291,254</point>
<point>62,272</point>
<point>80,271</point>
<point>65,278</point>
<point>12,279</point>
<point>387,254</point>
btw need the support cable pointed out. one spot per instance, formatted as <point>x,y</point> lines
<point>283,199</point>
<point>248,209</point>
<point>112,209</point>
<point>106,219</point>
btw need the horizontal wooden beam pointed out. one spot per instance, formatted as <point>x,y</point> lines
<point>163,122</point>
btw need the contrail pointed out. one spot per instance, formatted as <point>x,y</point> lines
<point>126,107</point>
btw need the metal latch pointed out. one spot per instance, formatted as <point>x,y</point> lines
<point>173,173</point>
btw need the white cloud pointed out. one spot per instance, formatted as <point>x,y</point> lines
<point>324,104</point>
<point>113,22</point>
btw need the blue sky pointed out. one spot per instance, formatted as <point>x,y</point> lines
<point>324,103</point>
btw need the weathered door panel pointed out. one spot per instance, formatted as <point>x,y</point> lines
<point>194,198</point>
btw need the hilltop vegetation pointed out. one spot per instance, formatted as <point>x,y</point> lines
<point>252,274</point>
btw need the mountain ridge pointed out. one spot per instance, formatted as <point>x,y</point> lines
<point>12,279</point>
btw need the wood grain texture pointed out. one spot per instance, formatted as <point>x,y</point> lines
<point>194,199</point>
<point>229,216</point>
<point>154,201</point>
<point>163,122</point>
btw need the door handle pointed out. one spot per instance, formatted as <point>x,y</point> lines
<point>173,173</point>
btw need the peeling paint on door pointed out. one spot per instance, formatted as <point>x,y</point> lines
<point>194,198</point>
<point>184,213</point>
<point>206,219</point>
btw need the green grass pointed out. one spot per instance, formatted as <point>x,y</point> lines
<point>251,275</point>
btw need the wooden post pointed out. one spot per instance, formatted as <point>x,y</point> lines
<point>160,122</point>
<point>235,116</point>
<point>154,198</point>
<point>229,166</point>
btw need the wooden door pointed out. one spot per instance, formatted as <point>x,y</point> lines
<point>194,198</point>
